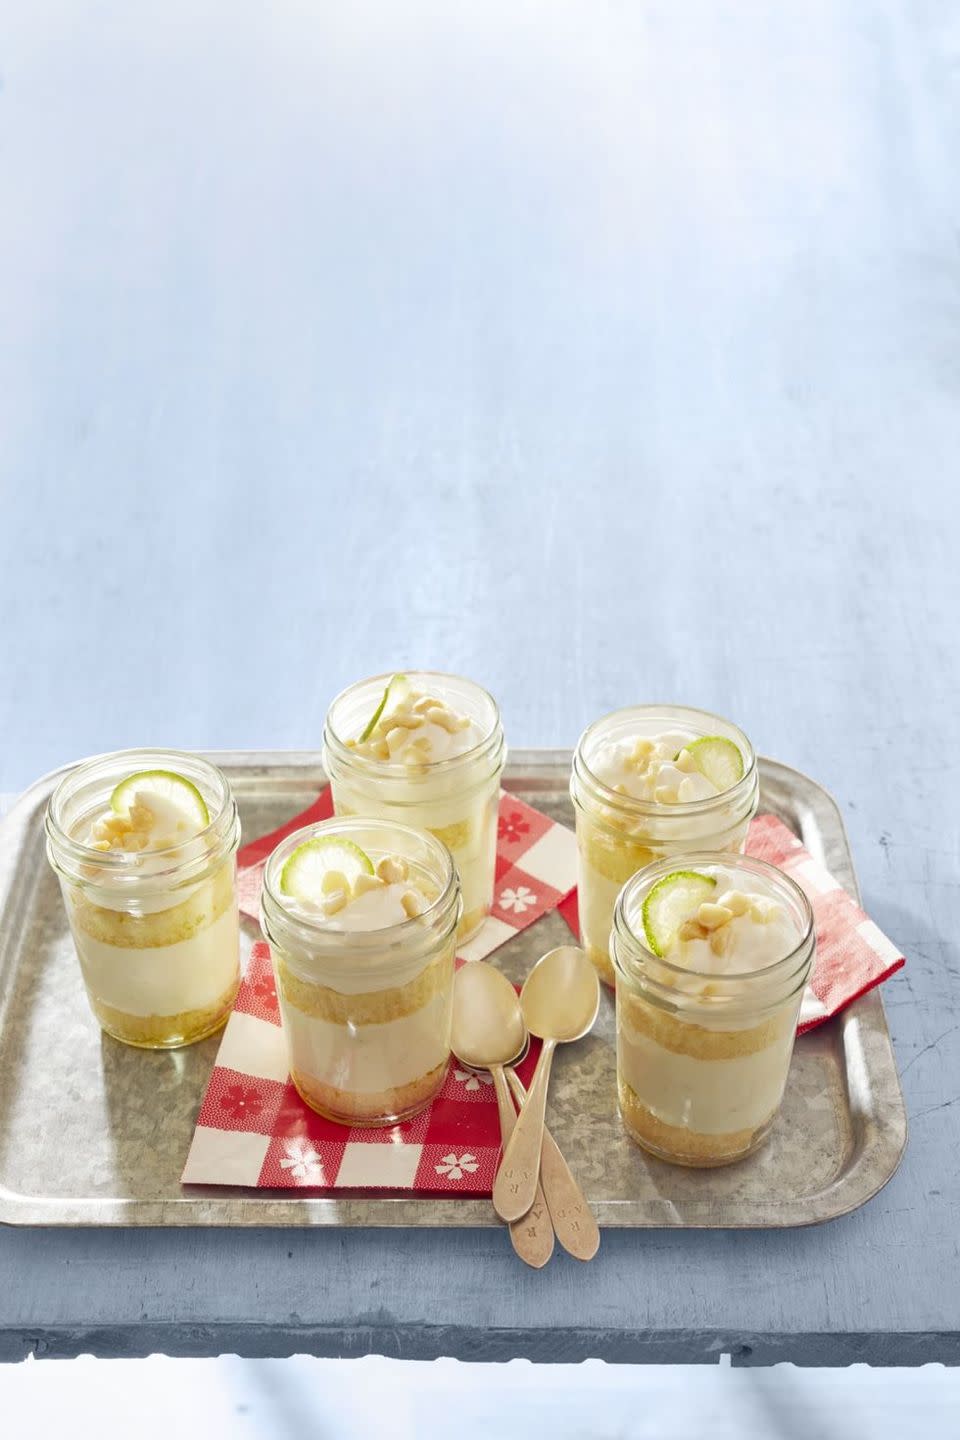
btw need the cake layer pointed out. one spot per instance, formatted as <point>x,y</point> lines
<point>177,918</point>
<point>385,1108</point>
<point>163,979</point>
<point>718,1038</point>
<point>352,1004</point>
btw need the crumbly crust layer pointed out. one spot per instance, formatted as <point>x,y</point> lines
<point>682,1146</point>
<point>167,927</point>
<point>166,1032</point>
<point>368,1007</point>
<point>381,1107</point>
<point>684,1037</point>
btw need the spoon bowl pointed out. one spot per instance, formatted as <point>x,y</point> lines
<point>488,1023</point>
<point>510,1069</point>
<point>561,996</point>
<point>488,1027</point>
<point>488,1033</point>
<point>560,1001</point>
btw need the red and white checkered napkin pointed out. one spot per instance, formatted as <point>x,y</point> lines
<point>253,1128</point>
<point>852,954</point>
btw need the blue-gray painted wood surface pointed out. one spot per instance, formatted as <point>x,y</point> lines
<point>603,352</point>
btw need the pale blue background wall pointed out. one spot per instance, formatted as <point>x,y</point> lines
<point>602,351</point>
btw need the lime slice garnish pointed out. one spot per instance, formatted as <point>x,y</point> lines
<point>397,689</point>
<point>302,875</point>
<point>675,898</point>
<point>718,759</point>
<point>166,785</point>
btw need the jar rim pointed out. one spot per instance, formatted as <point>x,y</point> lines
<point>690,861</point>
<point>272,900</point>
<point>65,846</point>
<point>397,770</point>
<point>681,809</point>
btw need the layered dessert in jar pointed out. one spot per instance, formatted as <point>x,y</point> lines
<point>711,961</point>
<point>144,844</point>
<point>426,750</point>
<point>361,917</point>
<point>648,782</point>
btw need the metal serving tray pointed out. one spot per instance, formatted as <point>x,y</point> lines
<point>95,1133</point>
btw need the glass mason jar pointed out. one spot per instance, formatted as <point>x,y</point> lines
<point>702,1058</point>
<point>618,835</point>
<point>156,931</point>
<point>457,800</point>
<point>366,1013</point>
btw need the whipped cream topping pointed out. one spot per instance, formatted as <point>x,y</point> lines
<point>374,910</point>
<point>368,902</point>
<point>657,768</point>
<point>735,932</point>
<point>419,729</point>
<point>153,822</point>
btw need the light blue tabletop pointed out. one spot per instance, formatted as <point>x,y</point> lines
<point>603,353</point>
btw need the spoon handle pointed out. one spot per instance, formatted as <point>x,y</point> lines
<point>531,1236</point>
<point>515,1187</point>
<point>573,1221</point>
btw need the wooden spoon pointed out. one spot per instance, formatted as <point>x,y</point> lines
<point>573,1220</point>
<point>574,1223</point>
<point>559,1000</point>
<point>488,1032</point>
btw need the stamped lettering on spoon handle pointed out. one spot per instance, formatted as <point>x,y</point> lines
<point>516,1183</point>
<point>573,1221</point>
<point>531,1236</point>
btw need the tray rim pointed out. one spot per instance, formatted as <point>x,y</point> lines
<point>282,1209</point>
